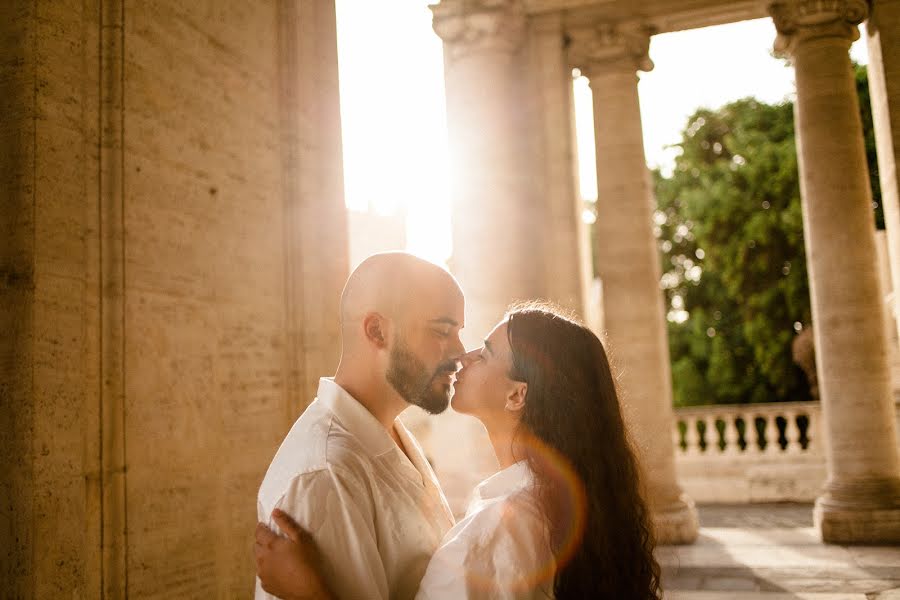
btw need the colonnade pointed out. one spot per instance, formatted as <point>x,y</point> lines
<point>510,135</point>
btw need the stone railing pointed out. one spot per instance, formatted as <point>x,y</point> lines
<point>751,452</point>
<point>749,429</point>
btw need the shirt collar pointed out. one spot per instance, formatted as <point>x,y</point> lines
<point>355,417</point>
<point>506,482</point>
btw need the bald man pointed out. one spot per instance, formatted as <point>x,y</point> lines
<point>349,471</point>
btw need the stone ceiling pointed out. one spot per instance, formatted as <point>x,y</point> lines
<point>663,15</point>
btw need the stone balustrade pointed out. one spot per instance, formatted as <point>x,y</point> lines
<point>751,452</point>
<point>749,430</point>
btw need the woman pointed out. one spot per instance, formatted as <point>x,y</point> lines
<point>564,517</point>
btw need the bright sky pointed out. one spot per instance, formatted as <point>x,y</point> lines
<point>393,111</point>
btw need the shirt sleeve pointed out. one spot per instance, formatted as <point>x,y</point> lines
<point>337,510</point>
<point>500,554</point>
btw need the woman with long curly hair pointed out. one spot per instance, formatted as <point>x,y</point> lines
<point>564,518</point>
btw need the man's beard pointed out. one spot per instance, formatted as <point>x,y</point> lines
<point>411,379</point>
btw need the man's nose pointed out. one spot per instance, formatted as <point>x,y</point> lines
<point>458,350</point>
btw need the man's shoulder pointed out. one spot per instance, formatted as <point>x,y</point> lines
<point>316,449</point>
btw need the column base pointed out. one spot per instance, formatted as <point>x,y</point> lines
<point>676,524</point>
<point>860,518</point>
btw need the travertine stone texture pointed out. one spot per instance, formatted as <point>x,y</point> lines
<point>666,15</point>
<point>172,248</point>
<point>496,212</point>
<point>497,253</point>
<point>17,293</point>
<point>861,500</point>
<point>628,265</point>
<point>516,223</point>
<point>313,211</point>
<point>552,116</point>
<point>48,177</point>
<point>883,33</point>
<point>482,61</point>
<point>510,120</point>
<point>108,277</point>
<point>882,250</point>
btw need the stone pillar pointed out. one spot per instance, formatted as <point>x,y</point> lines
<point>890,325</point>
<point>553,148</point>
<point>494,254</point>
<point>629,266</point>
<point>169,285</point>
<point>883,32</point>
<point>861,499</point>
<point>497,255</point>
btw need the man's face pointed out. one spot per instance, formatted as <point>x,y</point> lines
<point>426,350</point>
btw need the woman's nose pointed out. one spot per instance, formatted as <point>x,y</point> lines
<point>470,357</point>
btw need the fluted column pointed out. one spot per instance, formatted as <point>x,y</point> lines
<point>629,265</point>
<point>883,29</point>
<point>861,499</point>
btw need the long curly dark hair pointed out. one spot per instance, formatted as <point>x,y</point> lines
<point>587,479</point>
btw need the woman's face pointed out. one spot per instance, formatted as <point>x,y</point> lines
<point>483,385</point>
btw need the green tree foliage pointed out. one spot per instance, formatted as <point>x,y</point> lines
<point>731,240</point>
<point>865,111</point>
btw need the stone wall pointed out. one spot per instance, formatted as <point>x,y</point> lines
<point>172,248</point>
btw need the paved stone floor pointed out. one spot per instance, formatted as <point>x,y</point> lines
<point>772,552</point>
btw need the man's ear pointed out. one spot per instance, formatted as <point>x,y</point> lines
<point>375,328</point>
<point>515,400</point>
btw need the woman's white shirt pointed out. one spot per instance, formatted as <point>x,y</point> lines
<point>499,551</point>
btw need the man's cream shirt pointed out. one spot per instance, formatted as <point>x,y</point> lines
<point>376,515</point>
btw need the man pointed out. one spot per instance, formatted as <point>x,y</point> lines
<point>349,472</point>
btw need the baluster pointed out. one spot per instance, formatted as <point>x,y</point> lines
<point>712,435</point>
<point>771,433</point>
<point>732,435</point>
<point>751,435</point>
<point>792,433</point>
<point>676,438</point>
<point>691,436</point>
<point>778,433</point>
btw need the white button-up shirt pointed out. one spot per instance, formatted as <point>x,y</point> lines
<point>376,515</point>
<point>500,550</point>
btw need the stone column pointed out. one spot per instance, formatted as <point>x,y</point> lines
<point>494,220</point>
<point>883,29</point>
<point>497,254</point>
<point>861,499</point>
<point>629,265</point>
<point>553,148</point>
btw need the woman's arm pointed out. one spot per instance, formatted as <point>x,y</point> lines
<point>290,567</point>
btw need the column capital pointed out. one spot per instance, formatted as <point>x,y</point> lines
<point>605,47</point>
<point>479,25</point>
<point>801,20</point>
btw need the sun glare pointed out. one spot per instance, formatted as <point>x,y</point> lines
<point>393,119</point>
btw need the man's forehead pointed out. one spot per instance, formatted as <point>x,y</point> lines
<point>439,304</point>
